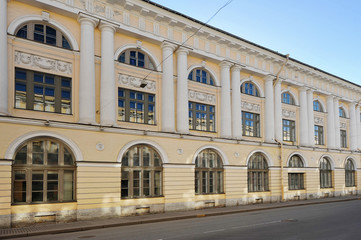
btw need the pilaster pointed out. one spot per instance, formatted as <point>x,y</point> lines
<point>269,109</point>
<point>87,69</point>
<point>3,59</point>
<point>353,131</point>
<point>337,123</point>
<point>278,111</point>
<point>225,100</point>
<point>168,118</point>
<point>331,143</point>
<point>182,91</point>
<point>108,91</point>
<point>311,118</point>
<point>236,102</point>
<point>303,117</point>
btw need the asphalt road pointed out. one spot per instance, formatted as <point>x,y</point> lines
<point>341,220</point>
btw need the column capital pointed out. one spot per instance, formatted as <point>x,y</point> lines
<point>330,97</point>
<point>167,44</point>
<point>269,78</point>
<point>225,64</point>
<point>82,17</point>
<point>183,50</point>
<point>237,68</point>
<point>105,25</point>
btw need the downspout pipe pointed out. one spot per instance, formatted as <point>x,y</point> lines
<point>279,72</point>
<point>281,160</point>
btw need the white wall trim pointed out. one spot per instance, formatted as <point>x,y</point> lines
<point>292,93</point>
<point>28,18</point>
<point>215,148</point>
<point>158,148</point>
<point>323,105</point>
<point>250,79</point>
<point>332,162</point>
<point>305,163</point>
<point>14,145</point>
<point>89,164</point>
<point>213,74</point>
<point>135,46</point>
<point>353,161</point>
<point>266,154</point>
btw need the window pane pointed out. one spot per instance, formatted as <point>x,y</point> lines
<point>157,183</point>
<point>23,32</point>
<point>53,149</point>
<point>21,156</point>
<point>65,44</point>
<point>39,33</point>
<point>68,158</point>
<point>125,184</point>
<point>37,186</point>
<point>68,186</point>
<point>136,183</point>
<point>52,186</point>
<point>38,152</point>
<point>19,193</point>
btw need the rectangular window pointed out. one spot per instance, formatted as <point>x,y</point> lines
<point>295,181</point>
<point>343,138</point>
<point>201,117</point>
<point>250,124</point>
<point>42,92</point>
<point>137,107</point>
<point>319,135</point>
<point>289,130</point>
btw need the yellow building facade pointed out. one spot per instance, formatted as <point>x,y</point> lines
<point>114,108</point>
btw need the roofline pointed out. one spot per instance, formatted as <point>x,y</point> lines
<point>247,41</point>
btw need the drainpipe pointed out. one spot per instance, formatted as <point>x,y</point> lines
<point>281,159</point>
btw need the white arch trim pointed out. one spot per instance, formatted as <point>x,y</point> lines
<point>132,45</point>
<point>217,149</point>
<point>345,109</point>
<point>323,105</point>
<point>332,162</point>
<point>353,161</point>
<point>292,94</point>
<point>213,74</point>
<point>305,163</point>
<point>250,79</point>
<point>28,18</point>
<point>14,145</point>
<point>155,145</point>
<point>266,154</point>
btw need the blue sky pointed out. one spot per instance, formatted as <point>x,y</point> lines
<point>325,34</point>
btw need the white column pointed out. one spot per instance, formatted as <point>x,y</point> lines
<point>168,119</point>
<point>182,91</point>
<point>337,123</point>
<point>225,100</point>
<point>87,69</point>
<point>269,110</point>
<point>236,103</point>
<point>278,112</point>
<point>108,91</point>
<point>304,118</point>
<point>3,58</point>
<point>358,127</point>
<point>311,118</point>
<point>353,131</point>
<point>331,123</point>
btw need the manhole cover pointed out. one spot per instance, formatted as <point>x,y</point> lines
<point>91,236</point>
<point>289,220</point>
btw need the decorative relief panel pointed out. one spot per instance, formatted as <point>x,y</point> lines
<point>250,106</point>
<point>200,96</point>
<point>318,120</point>
<point>288,113</point>
<point>134,82</point>
<point>343,125</point>
<point>39,62</point>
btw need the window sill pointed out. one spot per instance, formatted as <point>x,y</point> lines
<point>201,194</point>
<point>139,198</point>
<point>38,203</point>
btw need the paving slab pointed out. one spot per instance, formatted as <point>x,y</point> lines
<point>54,228</point>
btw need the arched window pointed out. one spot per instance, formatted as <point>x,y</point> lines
<point>43,33</point>
<point>325,173</point>
<point>43,172</point>
<point>136,58</point>
<point>295,180</point>
<point>288,98</point>
<point>257,173</point>
<point>317,106</point>
<point>250,89</point>
<point>208,173</point>
<point>141,172</point>
<point>349,174</point>
<point>341,112</point>
<point>201,75</point>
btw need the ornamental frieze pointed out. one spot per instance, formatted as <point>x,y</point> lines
<point>288,114</point>
<point>201,96</point>
<point>250,106</point>
<point>135,82</point>
<point>39,62</point>
<point>318,120</point>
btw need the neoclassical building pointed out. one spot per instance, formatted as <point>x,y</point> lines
<point>113,108</point>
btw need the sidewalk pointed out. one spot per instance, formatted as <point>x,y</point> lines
<point>54,228</point>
